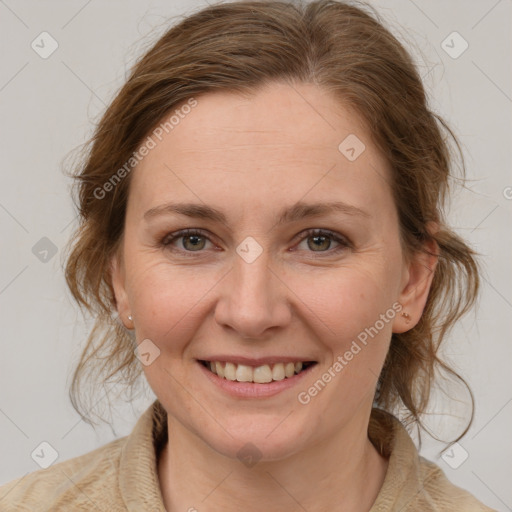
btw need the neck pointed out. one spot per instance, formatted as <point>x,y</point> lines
<point>344,472</point>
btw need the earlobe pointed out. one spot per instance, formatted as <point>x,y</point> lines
<point>118,287</point>
<point>418,281</point>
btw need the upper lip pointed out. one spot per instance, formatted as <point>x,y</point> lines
<point>257,361</point>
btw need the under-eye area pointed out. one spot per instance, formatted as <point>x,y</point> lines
<point>262,374</point>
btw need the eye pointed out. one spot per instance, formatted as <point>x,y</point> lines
<point>319,240</point>
<point>193,240</point>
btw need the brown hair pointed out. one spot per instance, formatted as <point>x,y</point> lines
<point>239,47</point>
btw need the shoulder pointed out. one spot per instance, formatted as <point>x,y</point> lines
<point>441,494</point>
<point>74,484</point>
<point>412,482</point>
<point>118,476</point>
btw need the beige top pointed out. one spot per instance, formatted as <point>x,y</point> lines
<point>122,475</point>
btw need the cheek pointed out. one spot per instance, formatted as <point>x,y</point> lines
<point>355,316</point>
<point>344,302</point>
<point>168,300</point>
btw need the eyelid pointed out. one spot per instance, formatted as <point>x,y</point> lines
<point>184,232</point>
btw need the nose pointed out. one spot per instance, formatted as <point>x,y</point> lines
<point>253,299</point>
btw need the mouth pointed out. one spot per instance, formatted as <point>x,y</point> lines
<point>262,374</point>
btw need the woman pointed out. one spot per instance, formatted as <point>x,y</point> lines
<point>261,207</point>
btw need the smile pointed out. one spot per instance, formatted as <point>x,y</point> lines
<point>262,374</point>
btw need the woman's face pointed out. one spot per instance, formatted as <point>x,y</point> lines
<point>270,273</point>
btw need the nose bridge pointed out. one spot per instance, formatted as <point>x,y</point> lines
<point>252,279</point>
<point>250,301</point>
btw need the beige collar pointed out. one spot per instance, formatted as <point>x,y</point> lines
<point>140,488</point>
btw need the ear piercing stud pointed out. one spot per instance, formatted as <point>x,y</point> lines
<point>406,316</point>
<point>130,318</point>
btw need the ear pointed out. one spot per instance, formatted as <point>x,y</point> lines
<point>117,273</point>
<point>416,282</point>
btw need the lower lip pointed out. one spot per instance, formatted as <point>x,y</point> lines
<point>252,389</point>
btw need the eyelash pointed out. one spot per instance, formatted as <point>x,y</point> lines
<point>344,243</point>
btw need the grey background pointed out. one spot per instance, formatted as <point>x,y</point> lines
<point>47,107</point>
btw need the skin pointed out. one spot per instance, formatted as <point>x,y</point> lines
<point>250,157</point>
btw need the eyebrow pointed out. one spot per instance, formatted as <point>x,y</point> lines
<point>298,211</point>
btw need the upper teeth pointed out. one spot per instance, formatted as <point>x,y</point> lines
<point>258,374</point>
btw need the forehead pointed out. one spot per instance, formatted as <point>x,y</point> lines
<point>303,115</point>
<point>281,137</point>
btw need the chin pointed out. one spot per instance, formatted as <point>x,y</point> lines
<point>258,438</point>
<point>251,451</point>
